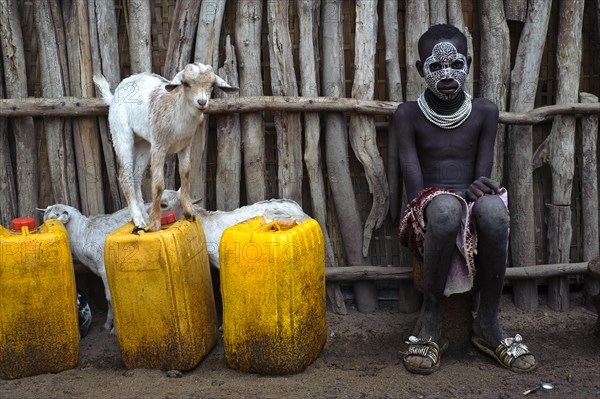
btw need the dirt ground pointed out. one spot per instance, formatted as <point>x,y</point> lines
<point>360,360</point>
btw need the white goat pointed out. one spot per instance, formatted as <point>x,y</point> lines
<point>214,223</point>
<point>86,239</point>
<point>151,117</point>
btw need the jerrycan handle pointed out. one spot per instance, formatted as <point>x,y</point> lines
<point>277,225</point>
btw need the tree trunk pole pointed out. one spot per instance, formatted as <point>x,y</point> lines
<point>283,83</point>
<point>524,80</point>
<point>15,81</point>
<point>85,134</point>
<point>456,18</point>
<point>336,144</point>
<point>309,16</point>
<point>494,76</point>
<point>105,56</point>
<point>8,193</point>
<point>229,140</point>
<point>409,297</point>
<point>416,22</point>
<point>558,150</point>
<point>248,29</point>
<point>49,27</point>
<point>207,52</point>
<point>438,12</point>
<point>362,134</point>
<point>139,34</point>
<point>589,193</point>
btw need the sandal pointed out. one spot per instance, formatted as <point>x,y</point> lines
<point>426,348</point>
<point>505,353</point>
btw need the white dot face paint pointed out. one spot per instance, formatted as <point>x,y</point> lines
<point>445,62</point>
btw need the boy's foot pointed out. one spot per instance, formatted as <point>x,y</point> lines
<point>423,355</point>
<point>511,353</point>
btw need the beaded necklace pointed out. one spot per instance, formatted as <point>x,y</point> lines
<point>445,114</point>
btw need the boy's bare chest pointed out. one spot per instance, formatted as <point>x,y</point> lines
<point>435,142</point>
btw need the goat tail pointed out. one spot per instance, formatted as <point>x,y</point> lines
<point>103,88</point>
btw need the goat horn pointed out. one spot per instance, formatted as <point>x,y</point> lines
<point>196,202</point>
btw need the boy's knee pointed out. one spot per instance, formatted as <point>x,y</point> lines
<point>444,214</point>
<point>491,216</point>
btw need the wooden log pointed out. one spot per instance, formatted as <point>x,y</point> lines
<point>392,61</point>
<point>283,83</point>
<point>558,150</point>
<point>384,273</point>
<point>248,28</point>
<point>85,134</point>
<point>524,78</point>
<point>309,15</point>
<point>139,22</point>
<point>229,141</point>
<point>209,33</point>
<point>8,193</point>
<point>409,297</point>
<point>455,17</point>
<point>494,77</point>
<point>362,128</point>
<point>515,10</point>
<point>416,22</point>
<point>25,154</point>
<point>336,139</point>
<point>105,56</point>
<point>362,136</point>
<point>206,52</point>
<point>589,193</point>
<point>72,107</point>
<point>179,54</point>
<point>438,12</point>
<point>48,22</point>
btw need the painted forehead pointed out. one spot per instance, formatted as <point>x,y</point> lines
<point>444,53</point>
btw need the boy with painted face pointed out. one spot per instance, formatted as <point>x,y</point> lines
<point>444,144</point>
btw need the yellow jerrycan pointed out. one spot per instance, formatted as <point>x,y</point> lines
<point>162,296</point>
<point>39,330</point>
<point>273,290</point>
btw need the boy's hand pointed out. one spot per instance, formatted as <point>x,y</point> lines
<point>480,187</point>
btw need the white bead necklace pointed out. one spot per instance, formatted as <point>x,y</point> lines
<point>446,121</point>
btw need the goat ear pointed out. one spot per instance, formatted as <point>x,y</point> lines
<point>41,210</point>
<point>223,85</point>
<point>176,81</point>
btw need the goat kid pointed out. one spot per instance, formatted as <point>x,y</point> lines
<point>151,117</point>
<point>214,223</point>
<point>86,240</point>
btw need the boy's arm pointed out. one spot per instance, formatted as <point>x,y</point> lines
<point>483,184</point>
<point>403,152</point>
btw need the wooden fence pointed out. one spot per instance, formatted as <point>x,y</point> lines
<point>314,75</point>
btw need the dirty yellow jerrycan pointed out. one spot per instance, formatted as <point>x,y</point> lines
<point>273,289</point>
<point>162,296</point>
<point>39,331</point>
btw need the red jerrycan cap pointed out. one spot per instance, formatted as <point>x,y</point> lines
<point>167,217</point>
<point>19,223</point>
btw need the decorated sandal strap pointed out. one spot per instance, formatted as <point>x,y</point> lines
<point>423,347</point>
<point>510,349</point>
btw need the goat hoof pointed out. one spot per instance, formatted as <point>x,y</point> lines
<point>190,218</point>
<point>136,230</point>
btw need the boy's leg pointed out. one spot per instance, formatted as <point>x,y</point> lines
<point>443,216</point>
<point>492,223</point>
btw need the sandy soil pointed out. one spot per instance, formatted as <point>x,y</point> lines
<point>361,360</point>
